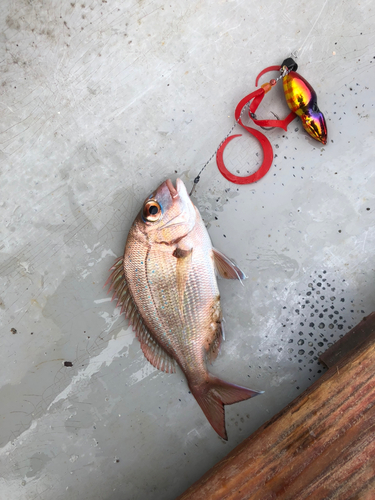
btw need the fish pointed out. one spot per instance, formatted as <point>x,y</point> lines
<point>301,99</point>
<point>166,286</point>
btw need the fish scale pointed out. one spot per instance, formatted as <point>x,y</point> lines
<point>166,283</point>
<point>177,333</point>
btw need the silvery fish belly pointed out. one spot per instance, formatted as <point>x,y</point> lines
<point>166,285</point>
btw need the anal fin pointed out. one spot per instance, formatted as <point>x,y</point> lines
<point>217,331</point>
<point>215,345</point>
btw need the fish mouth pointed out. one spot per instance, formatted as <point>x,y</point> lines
<point>186,211</point>
<point>172,189</point>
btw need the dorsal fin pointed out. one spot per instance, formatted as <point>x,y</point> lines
<point>155,353</point>
<point>152,350</point>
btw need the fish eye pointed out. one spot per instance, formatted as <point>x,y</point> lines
<point>151,211</point>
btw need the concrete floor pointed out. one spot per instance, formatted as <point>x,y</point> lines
<point>102,101</point>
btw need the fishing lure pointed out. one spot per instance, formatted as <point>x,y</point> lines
<point>302,101</point>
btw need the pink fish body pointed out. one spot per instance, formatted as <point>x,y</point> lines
<point>166,285</point>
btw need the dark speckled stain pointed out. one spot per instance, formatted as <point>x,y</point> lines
<point>12,23</point>
<point>37,463</point>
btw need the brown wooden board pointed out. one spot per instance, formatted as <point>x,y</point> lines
<point>352,340</point>
<point>321,446</point>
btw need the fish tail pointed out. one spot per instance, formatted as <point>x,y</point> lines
<point>213,394</point>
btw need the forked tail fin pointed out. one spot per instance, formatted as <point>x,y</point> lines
<point>213,394</point>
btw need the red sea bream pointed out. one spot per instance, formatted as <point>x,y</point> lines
<point>166,285</point>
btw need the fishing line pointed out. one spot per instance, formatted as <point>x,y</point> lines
<point>245,108</point>
<point>302,101</point>
<point>294,55</point>
<point>197,179</point>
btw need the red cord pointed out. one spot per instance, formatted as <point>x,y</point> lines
<point>256,98</point>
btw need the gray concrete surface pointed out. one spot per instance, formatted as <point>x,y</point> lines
<point>100,102</point>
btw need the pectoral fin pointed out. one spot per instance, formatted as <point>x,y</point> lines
<point>184,260</point>
<point>226,268</point>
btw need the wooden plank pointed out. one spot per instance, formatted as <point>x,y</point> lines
<point>352,340</point>
<point>321,446</point>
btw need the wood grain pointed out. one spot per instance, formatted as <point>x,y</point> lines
<point>352,340</point>
<point>321,446</point>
